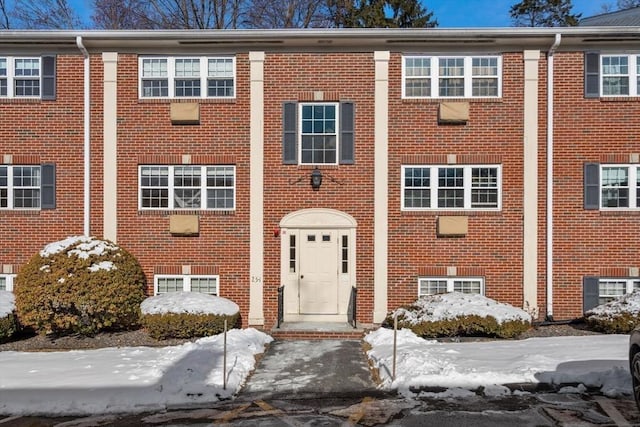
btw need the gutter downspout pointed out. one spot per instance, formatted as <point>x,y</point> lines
<point>552,49</point>
<point>87,137</point>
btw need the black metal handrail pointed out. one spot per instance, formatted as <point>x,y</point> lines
<point>351,311</point>
<point>280,306</point>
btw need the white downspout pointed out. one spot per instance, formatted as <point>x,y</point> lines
<point>552,50</point>
<point>87,137</point>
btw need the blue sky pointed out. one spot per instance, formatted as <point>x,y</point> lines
<point>462,13</point>
<point>493,13</point>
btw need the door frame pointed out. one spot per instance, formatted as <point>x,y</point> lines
<point>295,224</point>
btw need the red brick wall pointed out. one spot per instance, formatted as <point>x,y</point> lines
<point>341,76</point>
<point>493,135</point>
<point>37,132</point>
<point>588,242</point>
<point>145,133</point>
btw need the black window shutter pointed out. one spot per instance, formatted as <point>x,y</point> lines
<point>591,186</point>
<point>591,75</point>
<point>290,133</point>
<point>347,133</point>
<point>48,186</point>
<point>48,77</point>
<point>590,293</point>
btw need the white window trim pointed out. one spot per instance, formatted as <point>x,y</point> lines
<point>337,131</point>
<point>186,284</point>
<point>9,280</point>
<point>433,170</point>
<point>171,76</point>
<point>203,189</point>
<point>633,187</point>
<point>629,281</point>
<point>468,77</point>
<point>450,282</point>
<point>10,188</point>
<point>632,75</point>
<point>12,78</point>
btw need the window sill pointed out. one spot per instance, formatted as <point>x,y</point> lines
<point>167,212</point>
<point>20,212</point>
<point>445,212</point>
<point>20,100</point>
<point>187,100</point>
<point>441,100</point>
<point>625,212</point>
<point>619,98</point>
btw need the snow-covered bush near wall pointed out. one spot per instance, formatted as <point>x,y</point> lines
<point>187,315</point>
<point>619,316</point>
<point>8,325</point>
<point>80,285</point>
<point>454,314</point>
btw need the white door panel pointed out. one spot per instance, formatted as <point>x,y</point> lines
<point>318,272</point>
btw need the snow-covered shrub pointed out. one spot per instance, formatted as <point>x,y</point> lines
<point>8,325</point>
<point>619,316</point>
<point>458,314</point>
<point>80,285</point>
<point>187,315</point>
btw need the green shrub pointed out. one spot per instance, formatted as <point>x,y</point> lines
<point>187,315</point>
<point>619,316</point>
<point>80,285</point>
<point>186,325</point>
<point>8,327</point>
<point>457,314</point>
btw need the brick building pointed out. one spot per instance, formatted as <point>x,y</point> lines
<point>385,164</point>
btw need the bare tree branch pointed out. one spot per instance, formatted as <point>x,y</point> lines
<point>46,14</point>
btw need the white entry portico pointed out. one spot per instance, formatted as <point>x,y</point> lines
<point>318,260</point>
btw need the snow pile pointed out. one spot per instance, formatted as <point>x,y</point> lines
<point>594,361</point>
<point>7,303</point>
<point>628,303</point>
<point>433,308</point>
<point>128,379</point>
<point>188,302</point>
<point>83,247</point>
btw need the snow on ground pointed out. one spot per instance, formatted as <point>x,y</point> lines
<point>188,302</point>
<point>127,379</point>
<point>137,379</point>
<point>595,361</point>
<point>7,303</point>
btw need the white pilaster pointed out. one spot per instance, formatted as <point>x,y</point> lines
<point>381,196</point>
<point>110,142</point>
<point>256,206</point>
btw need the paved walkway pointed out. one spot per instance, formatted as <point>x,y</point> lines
<point>309,369</point>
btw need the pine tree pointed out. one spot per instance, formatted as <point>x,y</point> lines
<point>544,13</point>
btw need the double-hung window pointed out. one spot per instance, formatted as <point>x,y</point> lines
<point>6,282</point>
<point>187,187</point>
<point>187,77</point>
<point>441,285</point>
<point>186,283</point>
<point>20,187</point>
<point>319,133</point>
<point>31,77</point>
<point>451,187</point>
<point>619,75</point>
<point>451,76</point>
<point>609,289</point>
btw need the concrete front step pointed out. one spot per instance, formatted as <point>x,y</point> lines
<point>319,331</point>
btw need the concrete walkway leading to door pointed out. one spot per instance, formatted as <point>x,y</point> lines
<point>311,369</point>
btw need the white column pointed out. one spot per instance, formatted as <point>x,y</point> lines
<point>530,196</point>
<point>110,141</point>
<point>256,206</point>
<point>381,196</point>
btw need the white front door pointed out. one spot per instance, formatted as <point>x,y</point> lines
<point>318,276</point>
